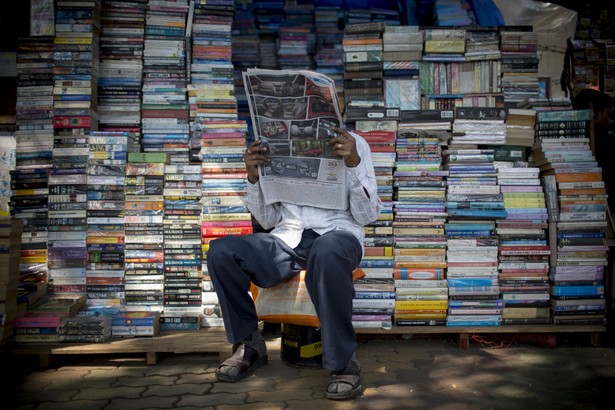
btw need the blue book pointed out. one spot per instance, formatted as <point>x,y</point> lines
<point>479,213</point>
<point>374,295</point>
<point>577,290</point>
<point>474,323</point>
<point>135,319</point>
<point>472,281</point>
<point>377,263</point>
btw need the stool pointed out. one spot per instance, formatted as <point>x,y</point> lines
<point>289,303</point>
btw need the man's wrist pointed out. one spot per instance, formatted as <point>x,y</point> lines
<point>353,162</point>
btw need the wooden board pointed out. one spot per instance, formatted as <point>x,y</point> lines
<point>206,340</point>
<point>464,332</point>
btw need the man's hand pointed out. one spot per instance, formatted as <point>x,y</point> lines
<point>254,156</point>
<point>345,146</point>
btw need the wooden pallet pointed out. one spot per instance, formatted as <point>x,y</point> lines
<point>465,332</point>
<point>206,340</point>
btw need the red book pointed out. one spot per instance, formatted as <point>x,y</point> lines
<point>223,231</point>
<point>40,319</point>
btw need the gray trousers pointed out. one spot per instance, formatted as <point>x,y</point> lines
<point>265,260</point>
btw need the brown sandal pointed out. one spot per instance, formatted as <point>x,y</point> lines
<point>354,380</point>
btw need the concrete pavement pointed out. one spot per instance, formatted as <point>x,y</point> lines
<point>398,372</point>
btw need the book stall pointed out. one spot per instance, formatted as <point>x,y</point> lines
<point>132,120</point>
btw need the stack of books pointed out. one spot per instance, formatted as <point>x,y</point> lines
<point>523,250</point>
<point>34,104</point>
<point>480,125</point>
<point>519,48</point>
<point>269,18</point>
<point>482,43</point>
<point>453,13</point>
<point>39,327</point>
<point>576,200</point>
<point>211,86</point>
<point>105,223</point>
<point>85,329</point>
<point>363,84</point>
<point>224,184</point>
<point>164,109</point>
<point>42,321</point>
<point>33,157</point>
<point>402,50</point>
<point>144,236</point>
<point>474,202</point>
<point>520,126</point>
<point>121,65</point>
<point>378,283</point>
<point>245,48</point>
<point>135,324</point>
<point>182,239</point>
<point>329,52</point>
<point>75,79</point>
<point>296,41</point>
<point>418,226</point>
<point>10,234</point>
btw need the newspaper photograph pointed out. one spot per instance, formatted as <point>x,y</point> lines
<point>293,113</point>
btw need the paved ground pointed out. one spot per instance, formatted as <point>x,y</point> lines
<point>399,373</point>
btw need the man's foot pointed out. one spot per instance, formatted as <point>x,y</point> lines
<point>240,365</point>
<point>346,383</point>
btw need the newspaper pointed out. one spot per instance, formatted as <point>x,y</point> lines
<point>293,113</point>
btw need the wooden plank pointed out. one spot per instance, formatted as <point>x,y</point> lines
<point>206,340</point>
<point>486,329</point>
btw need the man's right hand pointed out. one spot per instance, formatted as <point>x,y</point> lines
<point>255,155</point>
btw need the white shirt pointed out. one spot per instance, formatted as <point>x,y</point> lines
<point>289,220</point>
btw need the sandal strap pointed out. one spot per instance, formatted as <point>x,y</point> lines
<point>243,358</point>
<point>352,379</point>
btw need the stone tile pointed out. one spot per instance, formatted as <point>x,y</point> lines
<point>142,403</point>
<point>321,403</point>
<point>251,383</point>
<point>47,395</point>
<point>256,406</point>
<point>180,367</point>
<point>203,378</point>
<point>97,394</point>
<point>74,405</point>
<point>285,391</point>
<point>212,399</point>
<point>37,380</point>
<point>176,390</point>
<point>145,381</point>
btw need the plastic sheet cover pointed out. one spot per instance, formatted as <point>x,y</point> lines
<point>554,25</point>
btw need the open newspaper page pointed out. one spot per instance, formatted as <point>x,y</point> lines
<point>293,113</point>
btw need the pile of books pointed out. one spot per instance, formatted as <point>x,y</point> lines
<point>105,223</point>
<point>576,200</point>
<point>10,234</point>
<point>164,109</point>
<point>363,84</point>
<point>224,184</point>
<point>420,245</point>
<point>519,48</point>
<point>75,79</point>
<point>121,65</point>
<point>182,240</point>
<point>523,249</point>
<point>144,235</point>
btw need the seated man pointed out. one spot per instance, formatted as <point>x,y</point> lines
<point>327,243</point>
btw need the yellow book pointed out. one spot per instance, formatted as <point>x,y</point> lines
<point>420,304</point>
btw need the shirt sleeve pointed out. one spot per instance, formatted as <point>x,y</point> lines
<point>365,204</point>
<point>266,215</point>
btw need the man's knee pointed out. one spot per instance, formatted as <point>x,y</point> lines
<point>220,248</point>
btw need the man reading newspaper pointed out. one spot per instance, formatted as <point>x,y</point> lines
<point>326,241</point>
